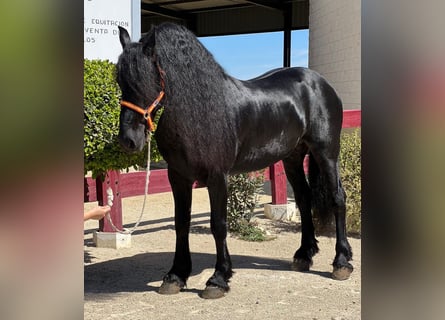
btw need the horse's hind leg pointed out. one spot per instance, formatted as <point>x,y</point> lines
<point>336,199</point>
<point>218,285</point>
<point>176,278</point>
<point>295,174</point>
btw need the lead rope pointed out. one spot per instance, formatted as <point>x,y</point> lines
<point>111,197</point>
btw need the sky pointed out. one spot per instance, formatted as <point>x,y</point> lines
<point>250,55</point>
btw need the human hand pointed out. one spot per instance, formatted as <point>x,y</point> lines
<point>96,213</point>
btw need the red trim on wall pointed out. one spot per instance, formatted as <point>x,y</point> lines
<point>352,118</point>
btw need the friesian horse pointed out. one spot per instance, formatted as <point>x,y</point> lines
<point>213,125</point>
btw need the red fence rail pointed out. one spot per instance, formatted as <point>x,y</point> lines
<point>133,183</point>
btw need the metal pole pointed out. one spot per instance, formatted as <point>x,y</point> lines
<point>287,12</point>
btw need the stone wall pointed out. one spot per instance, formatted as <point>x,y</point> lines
<point>335,46</point>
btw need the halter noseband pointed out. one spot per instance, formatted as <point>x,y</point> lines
<point>147,112</point>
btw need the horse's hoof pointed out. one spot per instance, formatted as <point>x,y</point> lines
<point>341,273</point>
<point>213,292</point>
<point>169,288</point>
<point>300,265</point>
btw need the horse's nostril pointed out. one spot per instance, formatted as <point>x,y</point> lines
<point>130,144</point>
<point>127,143</point>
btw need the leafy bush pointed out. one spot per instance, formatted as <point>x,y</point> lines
<point>243,192</point>
<point>350,170</point>
<point>250,232</point>
<point>101,122</point>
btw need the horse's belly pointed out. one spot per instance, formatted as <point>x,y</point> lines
<point>259,157</point>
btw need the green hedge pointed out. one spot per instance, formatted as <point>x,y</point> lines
<point>101,122</point>
<point>350,171</point>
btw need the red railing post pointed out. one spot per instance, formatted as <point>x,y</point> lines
<point>112,181</point>
<point>278,183</point>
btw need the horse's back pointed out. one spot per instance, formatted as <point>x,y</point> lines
<point>315,100</point>
<point>285,107</point>
<point>282,78</point>
<point>305,90</point>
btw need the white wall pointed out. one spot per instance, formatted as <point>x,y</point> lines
<point>335,46</point>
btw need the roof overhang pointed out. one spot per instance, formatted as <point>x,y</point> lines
<point>226,17</point>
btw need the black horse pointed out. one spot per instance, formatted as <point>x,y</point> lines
<point>214,125</point>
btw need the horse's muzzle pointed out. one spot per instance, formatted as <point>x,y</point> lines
<point>129,144</point>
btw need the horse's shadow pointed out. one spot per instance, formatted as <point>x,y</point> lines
<point>135,273</point>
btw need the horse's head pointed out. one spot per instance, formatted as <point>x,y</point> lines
<point>138,79</point>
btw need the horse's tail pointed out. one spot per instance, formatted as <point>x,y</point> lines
<point>320,200</point>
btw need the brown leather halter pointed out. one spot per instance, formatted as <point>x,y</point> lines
<point>147,112</point>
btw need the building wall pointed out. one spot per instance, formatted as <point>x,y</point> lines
<point>335,46</point>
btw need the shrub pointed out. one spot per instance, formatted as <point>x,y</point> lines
<point>350,171</point>
<point>101,122</point>
<point>242,199</point>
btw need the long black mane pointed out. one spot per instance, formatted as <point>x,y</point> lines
<point>195,84</point>
<point>188,65</point>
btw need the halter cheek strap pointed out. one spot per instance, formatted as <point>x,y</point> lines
<point>145,112</point>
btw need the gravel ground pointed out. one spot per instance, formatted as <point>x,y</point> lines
<point>123,283</point>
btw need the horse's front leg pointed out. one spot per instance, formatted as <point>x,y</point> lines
<point>218,284</point>
<point>177,277</point>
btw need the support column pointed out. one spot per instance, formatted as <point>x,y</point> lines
<point>111,181</point>
<point>278,183</point>
<point>107,237</point>
<point>279,209</point>
<point>287,13</point>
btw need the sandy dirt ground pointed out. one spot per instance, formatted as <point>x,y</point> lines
<point>123,283</point>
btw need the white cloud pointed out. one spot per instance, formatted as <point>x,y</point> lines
<point>300,57</point>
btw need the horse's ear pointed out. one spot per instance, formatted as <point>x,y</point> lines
<point>124,37</point>
<point>149,43</point>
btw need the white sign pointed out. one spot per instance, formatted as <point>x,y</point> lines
<point>101,21</point>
